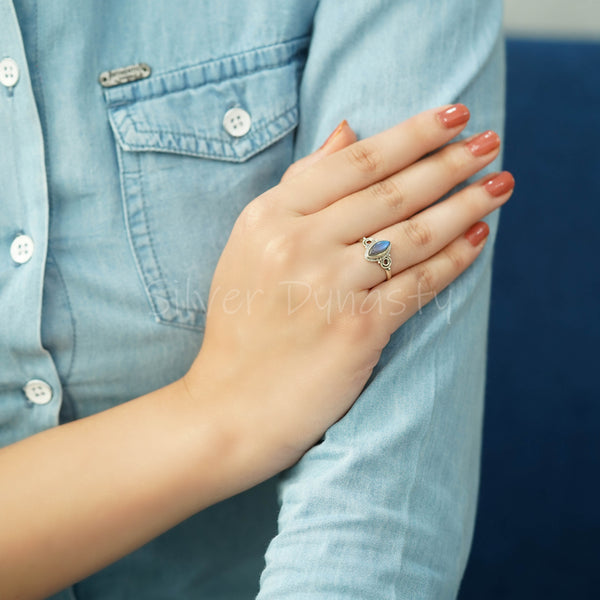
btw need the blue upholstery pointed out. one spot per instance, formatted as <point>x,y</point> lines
<point>538,528</point>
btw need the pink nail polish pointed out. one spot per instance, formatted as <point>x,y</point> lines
<point>499,184</point>
<point>335,133</point>
<point>477,233</point>
<point>484,144</point>
<point>455,115</point>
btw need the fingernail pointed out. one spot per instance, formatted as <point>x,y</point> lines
<point>499,184</point>
<point>477,233</point>
<point>456,115</point>
<point>483,144</point>
<point>334,134</point>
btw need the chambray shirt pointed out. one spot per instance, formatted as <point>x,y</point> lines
<point>118,189</point>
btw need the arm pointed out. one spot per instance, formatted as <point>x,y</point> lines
<point>268,380</point>
<point>84,494</point>
<point>384,507</point>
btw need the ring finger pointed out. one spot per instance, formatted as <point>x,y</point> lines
<point>416,239</point>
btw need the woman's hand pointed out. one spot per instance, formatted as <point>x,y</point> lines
<point>297,316</point>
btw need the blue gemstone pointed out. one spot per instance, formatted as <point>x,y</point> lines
<point>378,248</point>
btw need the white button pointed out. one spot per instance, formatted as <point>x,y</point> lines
<point>21,249</point>
<point>38,391</point>
<point>9,72</point>
<point>237,122</point>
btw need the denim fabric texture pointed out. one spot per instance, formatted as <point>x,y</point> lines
<point>129,194</point>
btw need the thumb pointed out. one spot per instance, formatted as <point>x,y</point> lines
<point>342,136</point>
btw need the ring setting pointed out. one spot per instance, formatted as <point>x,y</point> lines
<point>379,252</point>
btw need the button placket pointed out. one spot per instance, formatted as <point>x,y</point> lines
<point>27,403</point>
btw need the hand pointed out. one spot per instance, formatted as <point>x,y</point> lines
<point>297,317</point>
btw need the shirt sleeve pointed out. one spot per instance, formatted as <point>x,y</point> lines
<point>384,507</point>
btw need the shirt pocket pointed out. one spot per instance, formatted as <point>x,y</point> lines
<point>194,146</point>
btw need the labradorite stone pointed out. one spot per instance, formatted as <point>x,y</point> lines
<point>378,248</point>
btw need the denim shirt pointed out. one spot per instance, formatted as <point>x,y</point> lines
<point>116,202</point>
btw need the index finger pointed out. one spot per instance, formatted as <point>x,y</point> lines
<point>375,158</point>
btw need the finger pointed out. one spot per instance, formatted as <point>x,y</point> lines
<point>404,194</point>
<point>405,294</point>
<point>373,159</point>
<point>342,136</point>
<point>427,233</point>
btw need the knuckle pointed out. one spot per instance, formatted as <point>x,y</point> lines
<point>280,249</point>
<point>365,157</point>
<point>278,255</point>
<point>454,158</point>
<point>417,232</point>
<point>291,171</point>
<point>253,214</point>
<point>457,261</point>
<point>424,279</point>
<point>425,130</point>
<point>388,192</point>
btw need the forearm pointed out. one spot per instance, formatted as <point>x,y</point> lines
<point>84,494</point>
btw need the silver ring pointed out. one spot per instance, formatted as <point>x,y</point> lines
<point>379,252</point>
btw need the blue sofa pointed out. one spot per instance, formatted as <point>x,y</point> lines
<point>538,527</point>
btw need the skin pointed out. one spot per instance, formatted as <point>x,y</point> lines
<point>276,368</point>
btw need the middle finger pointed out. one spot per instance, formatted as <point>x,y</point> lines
<point>405,193</point>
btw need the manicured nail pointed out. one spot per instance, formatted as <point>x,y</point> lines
<point>477,233</point>
<point>483,144</point>
<point>335,133</point>
<point>499,184</point>
<point>456,115</point>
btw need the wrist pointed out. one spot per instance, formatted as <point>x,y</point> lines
<point>252,446</point>
<point>223,426</point>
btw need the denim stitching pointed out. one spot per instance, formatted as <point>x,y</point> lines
<point>241,55</point>
<point>260,127</point>
<point>152,250</point>
<point>236,155</point>
<point>235,71</point>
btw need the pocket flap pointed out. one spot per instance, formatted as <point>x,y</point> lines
<point>183,111</point>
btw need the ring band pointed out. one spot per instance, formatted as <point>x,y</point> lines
<point>379,252</point>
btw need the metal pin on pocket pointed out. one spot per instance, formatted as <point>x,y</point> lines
<point>124,75</point>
